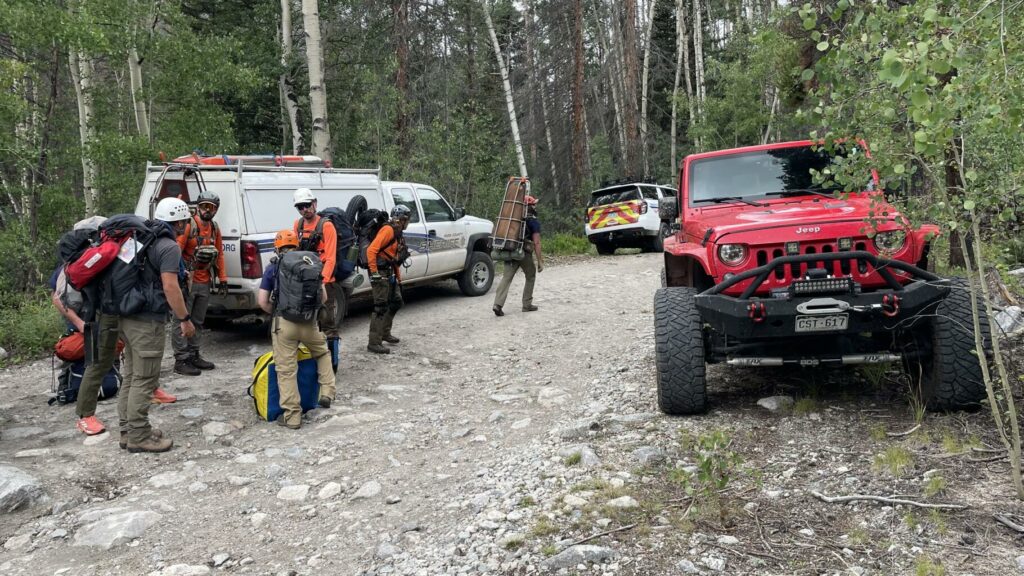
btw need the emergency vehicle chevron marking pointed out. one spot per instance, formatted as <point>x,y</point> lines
<point>614,214</point>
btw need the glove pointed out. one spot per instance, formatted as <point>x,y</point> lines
<point>375,277</point>
<point>222,288</point>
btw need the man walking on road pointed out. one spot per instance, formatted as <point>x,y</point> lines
<point>531,246</point>
<point>317,234</point>
<point>203,250</point>
<point>385,257</point>
<point>144,332</point>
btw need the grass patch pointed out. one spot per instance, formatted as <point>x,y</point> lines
<point>562,244</point>
<point>925,566</point>
<point>549,550</point>
<point>573,459</point>
<point>29,329</point>
<point>878,432</point>
<point>859,536</point>
<point>938,519</point>
<point>874,373</point>
<point>526,502</point>
<point>513,544</point>
<point>806,405</point>
<point>592,484</point>
<point>895,460</point>
<point>934,486</point>
<point>544,527</point>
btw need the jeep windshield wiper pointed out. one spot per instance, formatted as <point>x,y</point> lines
<point>724,199</point>
<point>800,192</point>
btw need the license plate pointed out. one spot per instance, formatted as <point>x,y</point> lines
<point>822,323</point>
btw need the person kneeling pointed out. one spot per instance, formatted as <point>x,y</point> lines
<point>292,292</point>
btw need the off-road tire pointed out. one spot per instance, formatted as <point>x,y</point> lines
<point>664,278</point>
<point>356,205</point>
<point>471,281</point>
<point>679,352</point>
<point>658,242</point>
<point>950,377</point>
<point>605,248</point>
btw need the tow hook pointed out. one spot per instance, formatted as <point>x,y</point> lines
<point>890,305</point>
<point>757,311</point>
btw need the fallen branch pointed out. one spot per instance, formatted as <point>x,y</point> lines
<point>991,459</point>
<point>907,433</point>
<point>605,533</point>
<point>884,500</point>
<point>1004,519</point>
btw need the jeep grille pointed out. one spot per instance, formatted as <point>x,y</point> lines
<point>784,275</point>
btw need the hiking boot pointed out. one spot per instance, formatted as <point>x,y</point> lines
<point>90,426</point>
<point>377,349</point>
<point>151,444</point>
<point>185,368</point>
<point>530,308</point>
<point>153,433</point>
<point>161,397</point>
<point>497,310</point>
<point>392,339</point>
<point>202,364</point>
<point>281,422</point>
<point>324,402</point>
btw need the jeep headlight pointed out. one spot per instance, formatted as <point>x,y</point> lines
<point>890,242</point>
<point>731,254</point>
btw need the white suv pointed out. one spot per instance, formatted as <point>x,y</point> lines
<point>625,215</point>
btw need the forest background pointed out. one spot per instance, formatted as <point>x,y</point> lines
<point>463,93</point>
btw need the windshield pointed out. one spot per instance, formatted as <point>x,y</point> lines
<point>756,175</point>
<point>614,195</point>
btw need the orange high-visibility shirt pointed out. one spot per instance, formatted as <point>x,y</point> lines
<point>189,241</point>
<point>383,245</point>
<point>328,247</point>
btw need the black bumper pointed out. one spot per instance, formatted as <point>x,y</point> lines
<point>620,236</point>
<point>747,317</point>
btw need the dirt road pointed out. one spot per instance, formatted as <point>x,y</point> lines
<point>488,445</point>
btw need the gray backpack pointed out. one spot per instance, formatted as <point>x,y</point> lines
<point>297,288</point>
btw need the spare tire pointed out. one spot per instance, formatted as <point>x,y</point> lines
<point>356,205</point>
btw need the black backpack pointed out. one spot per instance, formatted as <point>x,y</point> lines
<point>73,243</point>
<point>296,293</point>
<point>310,241</point>
<point>134,287</point>
<point>367,226</point>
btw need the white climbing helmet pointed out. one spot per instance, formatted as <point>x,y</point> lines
<point>171,210</point>
<point>302,196</point>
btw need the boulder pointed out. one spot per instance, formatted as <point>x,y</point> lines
<point>579,554</point>
<point>17,489</point>
<point>116,529</point>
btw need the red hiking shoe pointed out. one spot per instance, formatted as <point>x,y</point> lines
<point>90,426</point>
<point>161,397</point>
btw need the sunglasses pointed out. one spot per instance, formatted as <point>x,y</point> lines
<point>206,207</point>
<point>303,206</point>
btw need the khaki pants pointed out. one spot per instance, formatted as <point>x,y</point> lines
<point>198,302</point>
<point>92,379</point>
<point>286,337</point>
<point>387,300</point>
<point>333,311</point>
<point>529,269</point>
<point>143,350</point>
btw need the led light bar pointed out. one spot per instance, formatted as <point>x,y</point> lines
<point>792,248</point>
<point>822,286</point>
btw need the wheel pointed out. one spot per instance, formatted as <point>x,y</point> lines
<point>664,278</point>
<point>478,276</point>
<point>950,371</point>
<point>679,352</point>
<point>658,242</point>
<point>356,205</point>
<point>605,248</point>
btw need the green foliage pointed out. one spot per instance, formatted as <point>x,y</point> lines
<point>806,405</point>
<point>29,329</point>
<point>934,486</point>
<point>573,459</point>
<point>896,460</point>
<point>926,566</point>
<point>716,464</point>
<point>564,244</point>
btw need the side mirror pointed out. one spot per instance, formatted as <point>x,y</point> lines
<point>668,208</point>
<point>460,212</point>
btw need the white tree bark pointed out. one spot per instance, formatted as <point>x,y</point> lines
<point>139,103</point>
<point>698,63</point>
<point>82,76</point>
<point>288,99</point>
<point>680,50</point>
<point>508,91</point>
<point>614,81</point>
<point>643,85</point>
<point>547,137</point>
<point>321,129</point>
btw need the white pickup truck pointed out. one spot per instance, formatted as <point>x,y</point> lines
<point>256,202</point>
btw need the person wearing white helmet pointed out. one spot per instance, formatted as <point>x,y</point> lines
<point>317,234</point>
<point>144,333</point>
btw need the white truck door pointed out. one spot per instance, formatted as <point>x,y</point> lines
<point>446,236</point>
<point>415,234</point>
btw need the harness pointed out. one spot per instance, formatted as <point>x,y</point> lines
<point>396,237</point>
<point>314,237</point>
<point>203,258</point>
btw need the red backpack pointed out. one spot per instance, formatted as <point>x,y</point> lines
<point>95,259</point>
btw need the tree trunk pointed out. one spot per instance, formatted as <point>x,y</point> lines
<point>578,138</point>
<point>698,57</point>
<point>643,86</point>
<point>509,102</point>
<point>287,84</point>
<point>139,103</point>
<point>536,88</point>
<point>321,130</point>
<point>629,97</point>
<point>680,49</point>
<point>613,81</point>
<point>82,75</point>
<point>400,13</point>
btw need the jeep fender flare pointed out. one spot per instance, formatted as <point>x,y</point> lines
<point>479,242</point>
<point>686,265</point>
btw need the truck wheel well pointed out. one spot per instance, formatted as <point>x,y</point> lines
<point>686,272</point>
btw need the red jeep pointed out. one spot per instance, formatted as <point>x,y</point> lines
<point>769,268</point>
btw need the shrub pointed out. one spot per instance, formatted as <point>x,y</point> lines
<point>30,329</point>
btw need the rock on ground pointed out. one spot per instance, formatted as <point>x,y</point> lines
<point>17,489</point>
<point>579,554</point>
<point>116,529</point>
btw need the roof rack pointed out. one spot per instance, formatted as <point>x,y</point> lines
<point>629,180</point>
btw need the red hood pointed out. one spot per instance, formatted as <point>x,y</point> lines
<point>728,219</point>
